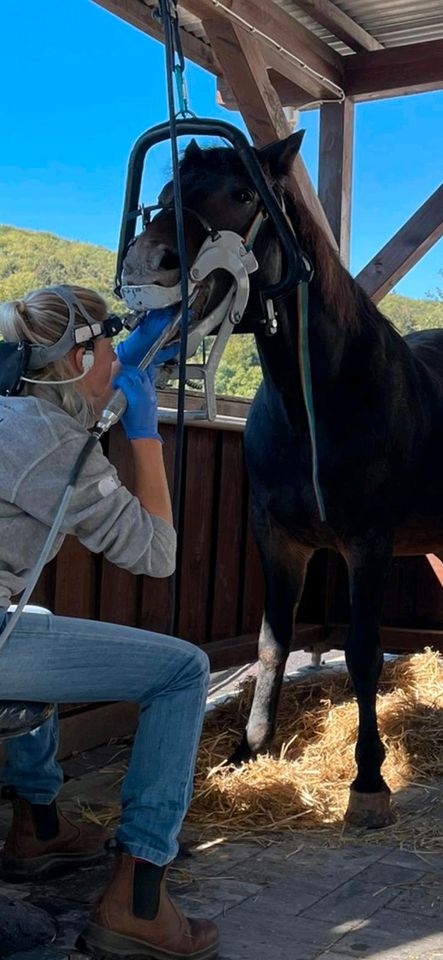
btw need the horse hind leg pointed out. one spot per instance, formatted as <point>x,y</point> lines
<point>369,563</point>
<point>284,566</point>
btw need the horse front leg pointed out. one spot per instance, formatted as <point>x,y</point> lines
<point>369,564</point>
<point>284,566</point>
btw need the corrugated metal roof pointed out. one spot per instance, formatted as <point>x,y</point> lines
<point>392,22</point>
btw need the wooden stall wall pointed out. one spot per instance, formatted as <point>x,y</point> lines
<point>219,579</point>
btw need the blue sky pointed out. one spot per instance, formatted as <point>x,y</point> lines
<point>82,85</point>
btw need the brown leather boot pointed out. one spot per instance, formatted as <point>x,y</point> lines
<point>41,842</point>
<point>123,925</point>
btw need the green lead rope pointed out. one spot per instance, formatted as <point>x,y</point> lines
<point>306,383</point>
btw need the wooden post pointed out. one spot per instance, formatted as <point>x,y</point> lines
<point>335,170</point>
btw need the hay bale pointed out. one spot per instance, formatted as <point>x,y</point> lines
<point>305,784</point>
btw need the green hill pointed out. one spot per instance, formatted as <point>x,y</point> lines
<point>30,259</point>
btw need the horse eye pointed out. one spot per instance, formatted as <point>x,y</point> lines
<point>244,195</point>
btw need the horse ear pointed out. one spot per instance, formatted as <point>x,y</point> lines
<point>167,195</point>
<point>279,156</point>
<point>193,152</point>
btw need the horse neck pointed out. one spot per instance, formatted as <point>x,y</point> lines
<point>340,315</point>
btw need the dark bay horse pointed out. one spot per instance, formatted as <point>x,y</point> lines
<point>378,402</point>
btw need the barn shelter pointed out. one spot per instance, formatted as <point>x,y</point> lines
<point>270,60</point>
<point>303,901</point>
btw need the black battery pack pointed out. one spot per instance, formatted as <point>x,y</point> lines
<point>14,361</point>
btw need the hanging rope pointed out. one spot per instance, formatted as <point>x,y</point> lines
<point>173,50</point>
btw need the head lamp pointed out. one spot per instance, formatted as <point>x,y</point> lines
<point>96,330</point>
<point>16,359</point>
<point>74,335</point>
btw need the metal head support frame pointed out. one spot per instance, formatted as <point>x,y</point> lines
<point>297,267</point>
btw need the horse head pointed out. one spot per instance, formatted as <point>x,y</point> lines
<point>217,194</point>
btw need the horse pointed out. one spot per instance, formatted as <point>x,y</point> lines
<point>378,404</point>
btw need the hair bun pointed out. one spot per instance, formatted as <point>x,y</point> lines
<point>20,306</point>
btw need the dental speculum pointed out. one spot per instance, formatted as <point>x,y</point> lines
<point>224,250</point>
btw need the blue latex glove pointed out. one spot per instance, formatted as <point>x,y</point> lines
<point>132,350</point>
<point>140,419</point>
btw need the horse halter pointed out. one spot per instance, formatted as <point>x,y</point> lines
<point>152,296</point>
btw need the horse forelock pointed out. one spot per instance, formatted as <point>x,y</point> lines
<point>212,162</point>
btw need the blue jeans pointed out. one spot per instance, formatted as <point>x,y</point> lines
<point>64,660</point>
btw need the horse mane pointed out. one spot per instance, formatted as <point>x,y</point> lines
<point>343,298</point>
<point>346,300</point>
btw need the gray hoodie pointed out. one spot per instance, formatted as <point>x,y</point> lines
<point>39,444</point>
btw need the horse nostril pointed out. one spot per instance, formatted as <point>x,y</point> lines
<point>169,261</point>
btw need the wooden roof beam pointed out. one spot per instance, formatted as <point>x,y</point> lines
<point>405,249</point>
<point>281,28</point>
<point>139,15</point>
<point>288,94</point>
<point>242,63</point>
<point>413,68</point>
<point>339,24</point>
<point>245,71</point>
<point>295,87</point>
<point>283,68</point>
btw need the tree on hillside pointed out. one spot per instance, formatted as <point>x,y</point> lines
<point>30,259</point>
<point>408,315</point>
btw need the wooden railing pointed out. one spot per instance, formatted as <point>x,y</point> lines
<point>219,579</point>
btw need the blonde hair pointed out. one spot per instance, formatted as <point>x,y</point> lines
<point>41,318</point>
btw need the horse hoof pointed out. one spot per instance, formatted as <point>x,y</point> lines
<point>241,755</point>
<point>371,810</point>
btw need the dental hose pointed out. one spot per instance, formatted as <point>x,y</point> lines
<point>50,539</point>
<point>110,415</point>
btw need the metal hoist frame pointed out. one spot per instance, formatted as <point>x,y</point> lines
<point>224,250</point>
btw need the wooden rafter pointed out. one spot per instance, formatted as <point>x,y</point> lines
<point>139,15</point>
<point>405,249</point>
<point>335,169</point>
<point>279,26</point>
<point>291,95</point>
<point>413,68</point>
<point>298,86</point>
<point>295,87</point>
<point>339,24</point>
<point>300,79</point>
<point>257,99</point>
<point>242,62</point>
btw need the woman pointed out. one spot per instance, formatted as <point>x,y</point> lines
<point>58,659</point>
